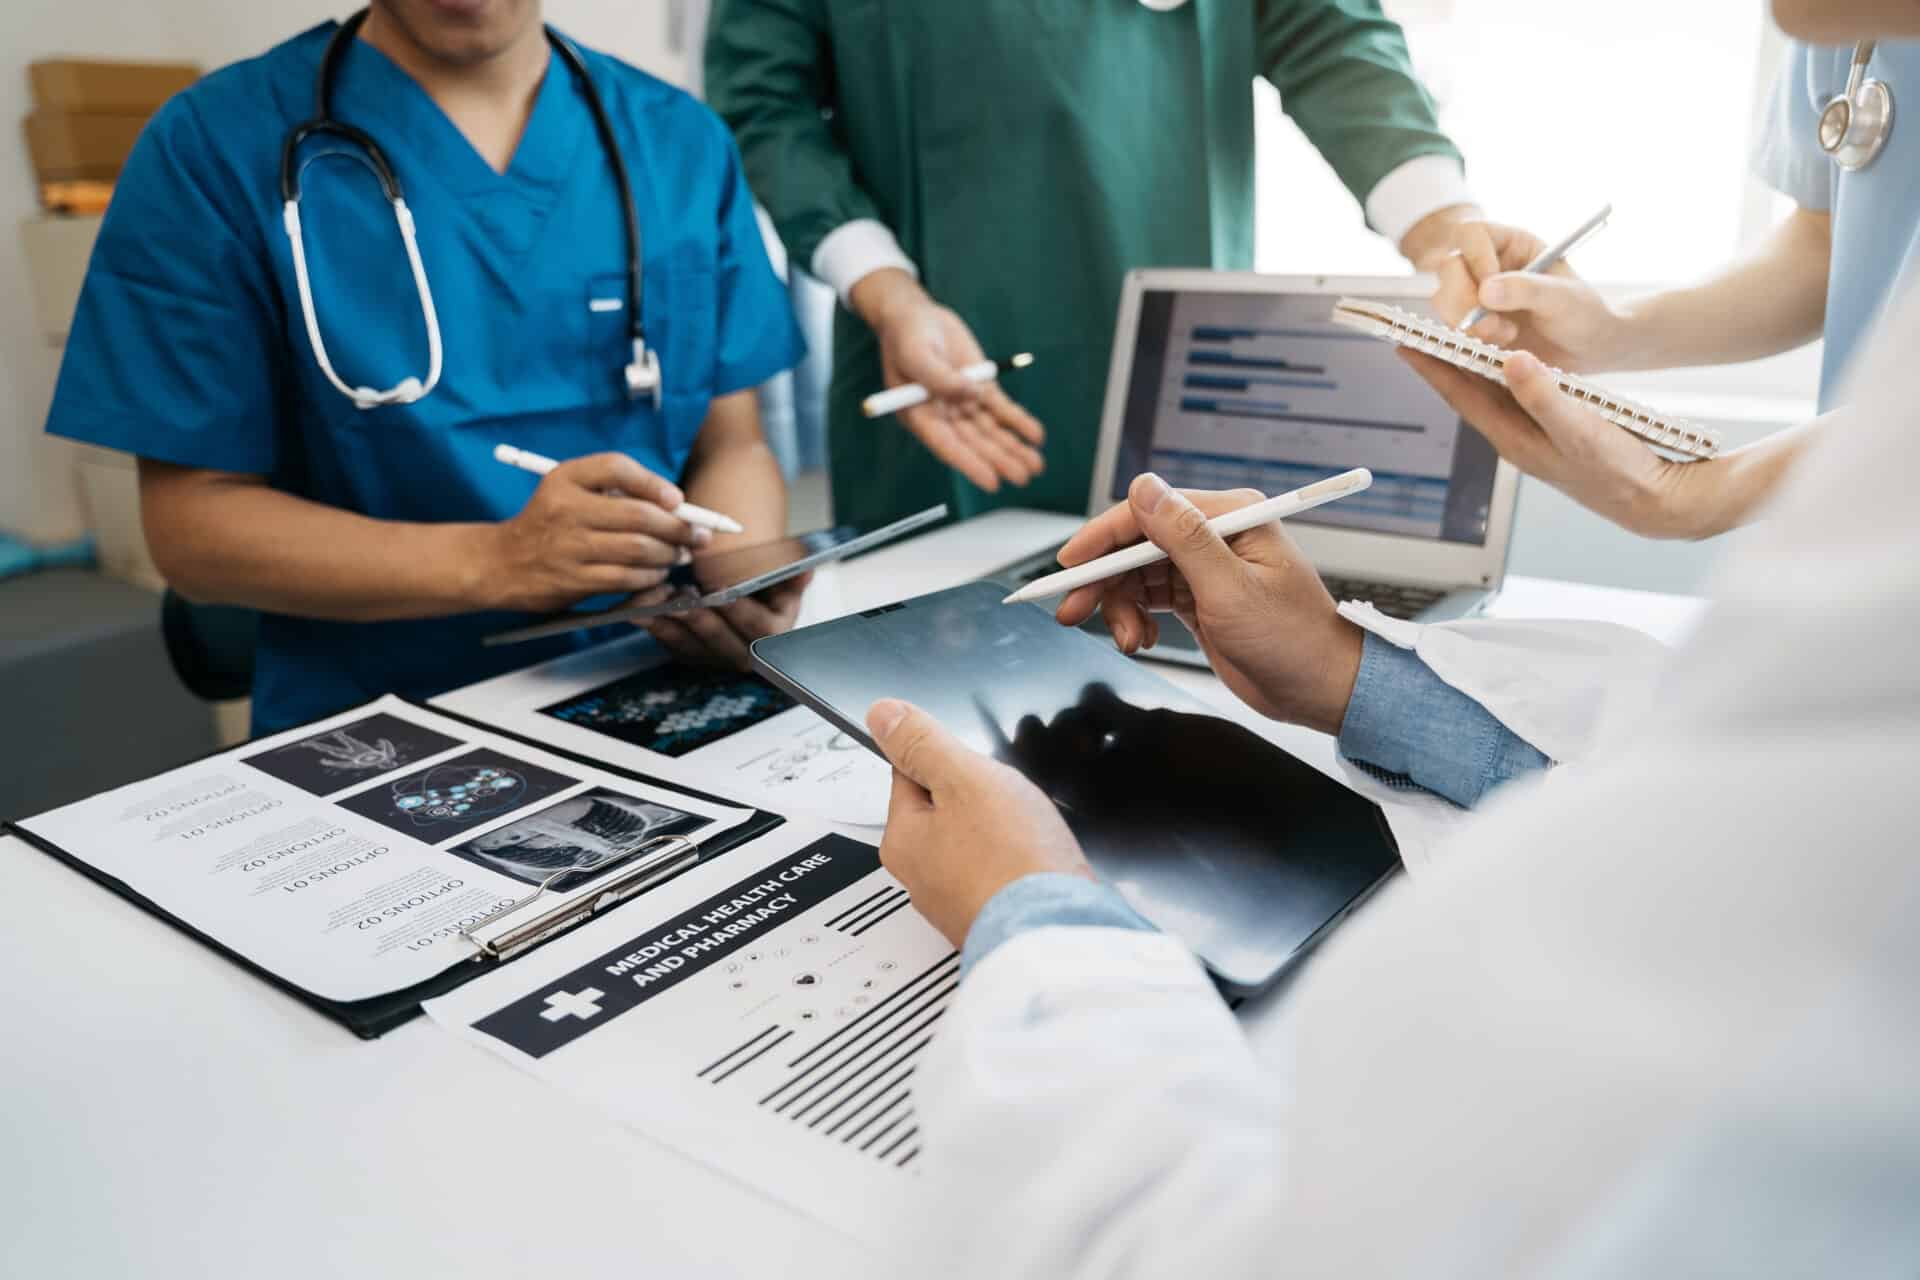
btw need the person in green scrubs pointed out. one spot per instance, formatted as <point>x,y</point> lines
<point>977,178</point>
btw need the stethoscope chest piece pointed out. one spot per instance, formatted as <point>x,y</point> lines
<point>643,374</point>
<point>1854,126</point>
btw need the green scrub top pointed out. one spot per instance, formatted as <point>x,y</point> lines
<point>1027,154</point>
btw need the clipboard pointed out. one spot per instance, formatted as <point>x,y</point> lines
<point>643,868</point>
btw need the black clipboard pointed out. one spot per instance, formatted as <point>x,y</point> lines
<point>376,1015</point>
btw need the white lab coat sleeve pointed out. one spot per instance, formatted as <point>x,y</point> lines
<point>1557,684</point>
<point>1010,1093</point>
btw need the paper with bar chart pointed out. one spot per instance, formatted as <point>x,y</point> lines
<point>1263,391</point>
<point>764,1014</point>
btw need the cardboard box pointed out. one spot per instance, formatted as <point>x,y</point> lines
<point>66,145</point>
<point>122,88</point>
<point>57,252</point>
<point>80,197</point>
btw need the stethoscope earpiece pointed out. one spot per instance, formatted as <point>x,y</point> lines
<point>1855,124</point>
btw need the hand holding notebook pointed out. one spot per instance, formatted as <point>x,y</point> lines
<point>1672,436</point>
<point>1611,472</point>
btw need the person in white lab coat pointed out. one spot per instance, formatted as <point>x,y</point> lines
<point>1653,1014</point>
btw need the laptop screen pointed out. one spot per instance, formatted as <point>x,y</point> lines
<point>1264,391</point>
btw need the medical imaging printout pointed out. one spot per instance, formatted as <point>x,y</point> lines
<point>346,856</point>
<point>716,730</point>
<point>763,1013</point>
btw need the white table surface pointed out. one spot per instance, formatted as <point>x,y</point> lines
<point>166,1114</point>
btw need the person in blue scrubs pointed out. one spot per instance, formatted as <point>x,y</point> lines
<point>382,544</point>
<point>1826,270</point>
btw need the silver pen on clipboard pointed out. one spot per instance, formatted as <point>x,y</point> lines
<point>1549,257</point>
<point>651,862</point>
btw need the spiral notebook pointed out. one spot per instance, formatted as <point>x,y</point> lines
<point>1675,436</point>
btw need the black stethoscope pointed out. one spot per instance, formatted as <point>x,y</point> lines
<point>1855,123</point>
<point>642,374</point>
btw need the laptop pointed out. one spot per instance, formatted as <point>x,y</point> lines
<point>1225,380</point>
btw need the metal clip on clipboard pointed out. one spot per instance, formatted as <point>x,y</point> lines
<point>651,863</point>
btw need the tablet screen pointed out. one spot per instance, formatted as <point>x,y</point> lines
<point>1209,830</point>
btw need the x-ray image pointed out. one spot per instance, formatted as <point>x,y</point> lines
<point>582,831</point>
<point>330,761</point>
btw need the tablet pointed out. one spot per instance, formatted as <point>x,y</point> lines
<point>1243,852</point>
<point>721,577</point>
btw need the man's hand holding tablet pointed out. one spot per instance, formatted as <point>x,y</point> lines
<point>962,826</point>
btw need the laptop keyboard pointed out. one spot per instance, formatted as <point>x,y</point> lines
<point>1393,599</point>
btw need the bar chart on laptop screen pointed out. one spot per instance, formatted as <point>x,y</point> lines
<point>1263,391</point>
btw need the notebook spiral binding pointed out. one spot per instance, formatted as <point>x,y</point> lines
<point>1676,436</point>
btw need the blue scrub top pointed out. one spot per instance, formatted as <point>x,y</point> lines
<point>1876,210</point>
<point>189,345</point>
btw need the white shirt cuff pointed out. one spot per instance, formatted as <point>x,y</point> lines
<point>1423,185</point>
<point>854,250</point>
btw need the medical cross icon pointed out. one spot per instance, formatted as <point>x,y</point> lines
<point>575,1004</point>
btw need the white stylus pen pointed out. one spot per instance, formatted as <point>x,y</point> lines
<point>1112,566</point>
<point>894,399</point>
<point>540,464</point>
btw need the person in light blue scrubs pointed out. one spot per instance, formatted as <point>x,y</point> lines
<point>383,543</point>
<point>1875,210</point>
<point>1826,270</point>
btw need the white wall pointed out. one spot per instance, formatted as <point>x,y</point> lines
<point>211,33</point>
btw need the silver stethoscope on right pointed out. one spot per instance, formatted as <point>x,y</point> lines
<point>1855,123</point>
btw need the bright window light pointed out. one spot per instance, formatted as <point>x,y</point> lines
<point>1560,107</point>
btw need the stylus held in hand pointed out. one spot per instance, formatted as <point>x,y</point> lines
<point>894,399</point>
<point>540,464</point>
<point>1316,494</point>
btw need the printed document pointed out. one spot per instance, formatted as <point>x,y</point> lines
<point>726,731</point>
<point>347,856</point>
<point>764,1014</point>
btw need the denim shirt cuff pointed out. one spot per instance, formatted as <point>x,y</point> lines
<point>1407,726</point>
